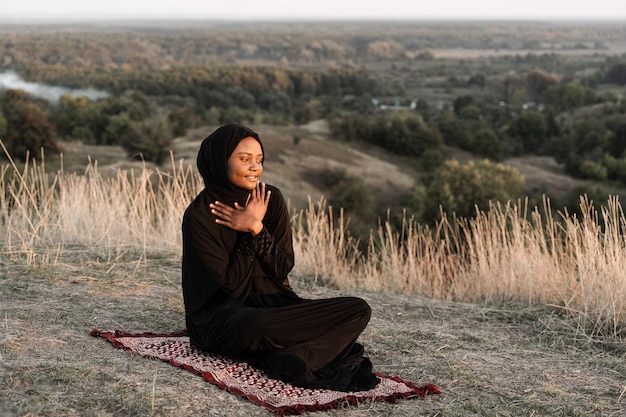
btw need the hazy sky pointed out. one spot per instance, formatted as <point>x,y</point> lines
<point>313,9</point>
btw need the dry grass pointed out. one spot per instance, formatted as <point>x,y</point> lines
<point>81,251</point>
<point>507,253</point>
<point>570,264</point>
<point>489,360</point>
<point>142,208</point>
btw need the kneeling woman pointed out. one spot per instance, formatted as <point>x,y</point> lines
<point>237,254</point>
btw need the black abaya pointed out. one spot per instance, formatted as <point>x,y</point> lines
<point>238,301</point>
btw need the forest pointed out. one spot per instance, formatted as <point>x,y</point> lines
<point>427,91</point>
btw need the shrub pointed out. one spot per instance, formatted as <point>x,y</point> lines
<point>28,128</point>
<point>351,196</point>
<point>3,125</point>
<point>463,188</point>
<point>617,73</point>
<point>594,194</point>
<point>470,112</point>
<point>432,159</point>
<point>593,170</point>
<point>487,144</point>
<point>148,140</point>
<point>455,132</point>
<point>531,128</point>
<point>400,132</point>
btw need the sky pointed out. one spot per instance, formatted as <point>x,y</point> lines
<point>316,9</point>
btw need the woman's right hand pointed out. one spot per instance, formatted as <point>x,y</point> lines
<point>244,219</point>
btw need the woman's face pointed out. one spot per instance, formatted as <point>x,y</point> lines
<point>245,164</point>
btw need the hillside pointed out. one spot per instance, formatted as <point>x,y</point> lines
<point>503,360</point>
<point>64,270</point>
<point>297,168</point>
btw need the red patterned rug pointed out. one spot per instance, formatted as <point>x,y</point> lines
<point>242,379</point>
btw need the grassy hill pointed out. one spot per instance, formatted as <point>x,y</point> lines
<point>295,166</point>
<point>498,357</point>
<point>297,157</point>
<point>504,360</point>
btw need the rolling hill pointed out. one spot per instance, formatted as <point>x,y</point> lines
<point>298,157</point>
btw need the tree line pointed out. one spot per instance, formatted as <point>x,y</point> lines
<point>147,109</point>
<point>120,45</point>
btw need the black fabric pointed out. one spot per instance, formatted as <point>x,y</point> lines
<point>238,300</point>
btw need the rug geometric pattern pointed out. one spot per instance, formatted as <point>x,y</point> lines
<point>242,379</point>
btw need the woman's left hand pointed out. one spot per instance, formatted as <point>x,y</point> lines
<point>244,219</point>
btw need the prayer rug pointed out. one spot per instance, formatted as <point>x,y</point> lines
<point>244,380</point>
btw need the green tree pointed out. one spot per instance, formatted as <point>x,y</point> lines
<point>616,74</point>
<point>620,170</point>
<point>402,133</point>
<point>235,114</point>
<point>461,188</point>
<point>115,130</point>
<point>617,141</point>
<point>432,159</point>
<point>487,144</point>
<point>349,193</point>
<point>66,114</point>
<point>595,194</point>
<point>593,170</point>
<point>418,202</point>
<point>538,81</point>
<point>531,128</point>
<point>28,127</point>
<point>3,125</point>
<point>353,196</point>
<point>181,119</point>
<point>307,112</point>
<point>148,140</point>
<point>461,102</point>
<point>591,134</point>
<point>567,96</point>
<point>470,112</point>
<point>478,79</point>
<point>455,132</point>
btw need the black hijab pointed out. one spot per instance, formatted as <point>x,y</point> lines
<point>213,162</point>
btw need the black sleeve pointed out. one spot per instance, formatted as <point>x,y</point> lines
<point>213,261</point>
<point>273,247</point>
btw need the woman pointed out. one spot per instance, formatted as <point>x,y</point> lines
<point>237,254</point>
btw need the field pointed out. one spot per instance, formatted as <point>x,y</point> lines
<point>489,360</point>
<point>514,313</point>
<point>504,357</point>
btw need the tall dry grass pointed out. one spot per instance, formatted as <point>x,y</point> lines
<point>577,265</point>
<point>510,252</point>
<point>132,210</point>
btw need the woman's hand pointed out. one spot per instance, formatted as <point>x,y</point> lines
<point>244,219</point>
